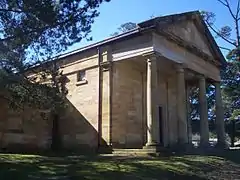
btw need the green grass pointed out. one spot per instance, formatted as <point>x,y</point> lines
<point>25,167</point>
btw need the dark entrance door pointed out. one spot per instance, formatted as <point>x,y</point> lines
<point>160,125</point>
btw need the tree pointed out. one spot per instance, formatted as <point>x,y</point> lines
<point>231,73</point>
<point>125,28</point>
<point>33,32</point>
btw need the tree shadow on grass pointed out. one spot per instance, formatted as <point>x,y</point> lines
<point>89,168</point>
<point>223,164</point>
<point>114,168</point>
<point>76,167</point>
<point>230,155</point>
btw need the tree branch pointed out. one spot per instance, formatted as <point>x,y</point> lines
<point>226,3</point>
<point>224,48</point>
<point>11,10</point>
<point>235,17</point>
<point>215,31</point>
<point>222,2</point>
<point>230,10</point>
<point>238,9</point>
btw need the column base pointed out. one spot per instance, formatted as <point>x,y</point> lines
<point>151,144</point>
<point>204,145</point>
<point>182,147</point>
<point>153,148</point>
<point>221,145</point>
<point>104,149</point>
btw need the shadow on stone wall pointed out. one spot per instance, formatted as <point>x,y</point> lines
<point>77,134</point>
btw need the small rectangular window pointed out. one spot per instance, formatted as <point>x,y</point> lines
<point>81,76</point>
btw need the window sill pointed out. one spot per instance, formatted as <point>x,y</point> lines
<point>79,83</point>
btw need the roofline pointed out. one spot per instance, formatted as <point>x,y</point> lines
<point>145,25</point>
<point>139,29</point>
<point>95,45</point>
<point>193,15</point>
<point>100,43</point>
<point>153,20</point>
<point>213,42</point>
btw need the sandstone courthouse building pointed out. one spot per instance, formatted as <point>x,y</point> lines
<point>131,90</point>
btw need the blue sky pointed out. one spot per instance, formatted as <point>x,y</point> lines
<point>117,12</point>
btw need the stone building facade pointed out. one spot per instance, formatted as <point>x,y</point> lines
<point>131,90</point>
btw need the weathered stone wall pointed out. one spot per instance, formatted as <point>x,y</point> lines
<point>172,111</point>
<point>129,104</point>
<point>188,31</point>
<point>79,126</point>
<point>127,107</point>
<point>162,101</point>
<point>20,131</point>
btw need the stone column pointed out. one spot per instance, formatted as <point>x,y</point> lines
<point>189,120</point>
<point>181,106</point>
<point>105,97</point>
<point>152,125</point>
<point>204,127</point>
<point>219,116</point>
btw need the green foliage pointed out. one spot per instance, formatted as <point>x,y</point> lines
<point>194,99</point>
<point>231,72</point>
<point>125,28</point>
<point>35,29</point>
<point>230,84</point>
<point>235,114</point>
<point>32,32</point>
<point>208,17</point>
<point>225,31</point>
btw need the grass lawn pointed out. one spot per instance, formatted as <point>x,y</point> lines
<point>24,167</point>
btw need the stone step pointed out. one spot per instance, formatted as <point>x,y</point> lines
<point>143,151</point>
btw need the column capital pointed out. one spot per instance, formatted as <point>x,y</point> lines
<point>180,68</point>
<point>105,66</point>
<point>201,77</point>
<point>151,59</point>
<point>152,63</point>
<point>150,56</point>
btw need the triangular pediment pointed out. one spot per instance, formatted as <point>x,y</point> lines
<point>188,31</point>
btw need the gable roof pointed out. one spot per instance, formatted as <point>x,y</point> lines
<point>153,23</point>
<point>201,25</point>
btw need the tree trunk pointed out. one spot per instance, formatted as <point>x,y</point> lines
<point>56,137</point>
<point>232,133</point>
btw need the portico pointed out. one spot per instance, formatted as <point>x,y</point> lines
<point>184,133</point>
<point>159,102</point>
<point>183,123</point>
